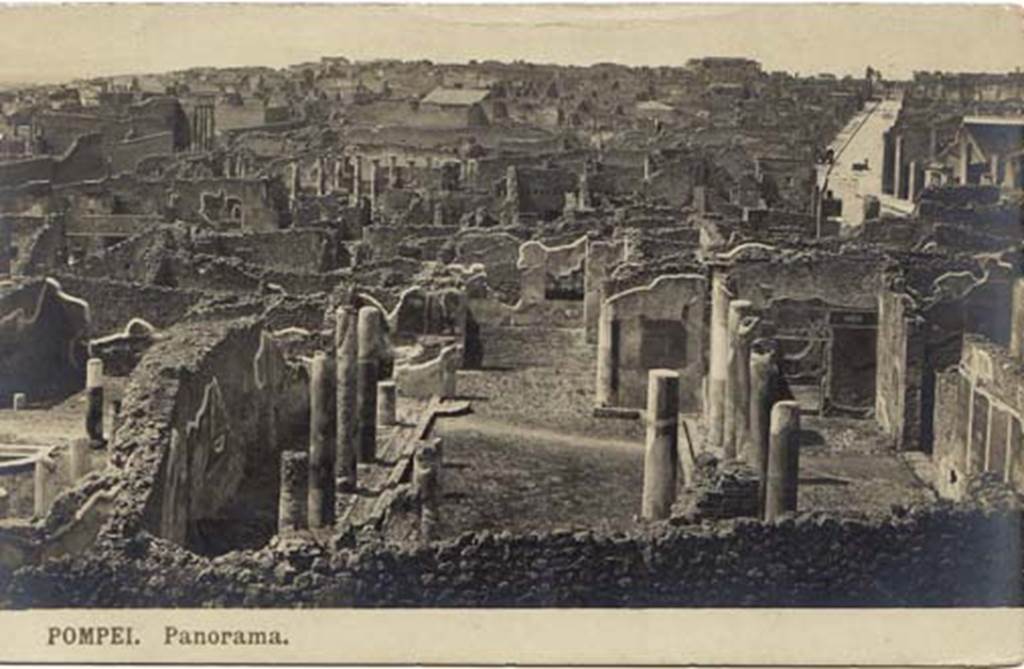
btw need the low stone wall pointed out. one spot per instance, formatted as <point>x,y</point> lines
<point>942,556</point>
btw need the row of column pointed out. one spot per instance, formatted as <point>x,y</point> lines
<point>773,452</point>
<point>748,413</point>
<point>346,403</point>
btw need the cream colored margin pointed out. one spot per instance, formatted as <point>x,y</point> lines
<point>553,636</point>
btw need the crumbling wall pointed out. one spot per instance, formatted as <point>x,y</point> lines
<point>498,252</point>
<point>115,303</point>
<point>652,327</point>
<point>940,556</point>
<point>226,402</point>
<point>978,418</point>
<point>299,249</point>
<point>42,341</point>
<point>900,352</point>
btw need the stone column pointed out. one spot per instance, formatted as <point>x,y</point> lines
<point>392,171</point>
<point>369,331</point>
<point>42,489</point>
<point>783,460</point>
<point>387,403</point>
<point>294,185</point>
<point>78,459</point>
<point>357,179</point>
<point>719,359</point>
<point>737,396</point>
<point>897,167</point>
<point>427,487</point>
<point>964,163</point>
<point>18,402</point>
<point>606,392</point>
<point>5,503</point>
<point>346,422</point>
<point>374,174</point>
<point>661,457</point>
<point>320,505</point>
<point>338,174</point>
<point>291,514</point>
<point>94,399</point>
<point>763,379</point>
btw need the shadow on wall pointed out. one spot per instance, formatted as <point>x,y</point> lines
<point>43,333</point>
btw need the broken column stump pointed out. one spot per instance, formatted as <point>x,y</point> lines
<point>78,457</point>
<point>387,403</point>
<point>345,365</point>
<point>426,486</point>
<point>660,454</point>
<point>763,381</point>
<point>783,460</point>
<point>369,331</point>
<point>291,511</point>
<point>320,504</point>
<point>43,488</point>
<point>737,395</point>
<point>94,399</point>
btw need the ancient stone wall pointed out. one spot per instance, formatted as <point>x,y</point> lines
<point>979,415</point>
<point>300,249</point>
<point>899,369</point>
<point>115,303</point>
<point>42,341</point>
<point>651,327</point>
<point>228,401</point>
<point>943,556</point>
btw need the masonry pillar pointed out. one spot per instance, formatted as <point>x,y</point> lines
<point>427,487</point>
<point>78,459</point>
<point>294,185</point>
<point>357,179</point>
<point>5,503</point>
<point>320,505</point>
<point>1017,320</point>
<point>965,159</point>
<point>369,331</point>
<point>346,375</point>
<point>993,169</point>
<point>392,171</point>
<point>290,508</point>
<point>719,359</point>
<point>387,403</point>
<point>94,399</point>
<point>661,456</point>
<point>648,168</point>
<point>607,381</point>
<point>18,402</point>
<point>897,168</point>
<point>338,174</point>
<point>374,175</point>
<point>783,460</point>
<point>763,380</point>
<point>737,396</point>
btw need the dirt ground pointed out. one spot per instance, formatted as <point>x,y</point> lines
<point>532,456</point>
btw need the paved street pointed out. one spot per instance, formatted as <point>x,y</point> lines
<point>860,140</point>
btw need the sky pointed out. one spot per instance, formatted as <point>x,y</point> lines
<point>47,43</point>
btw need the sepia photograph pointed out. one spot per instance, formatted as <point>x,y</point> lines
<point>615,306</point>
